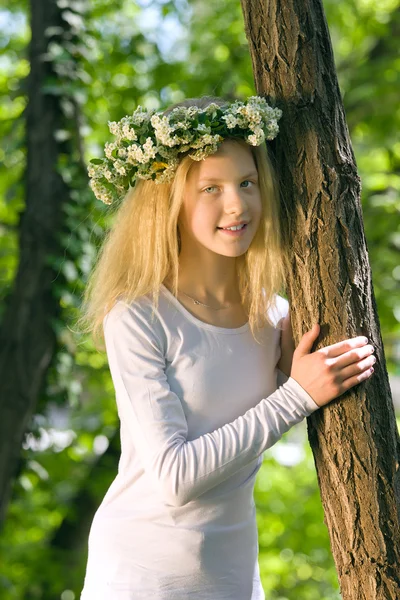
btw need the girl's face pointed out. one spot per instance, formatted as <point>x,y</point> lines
<point>221,191</point>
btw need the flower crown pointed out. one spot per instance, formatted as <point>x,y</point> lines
<point>148,144</point>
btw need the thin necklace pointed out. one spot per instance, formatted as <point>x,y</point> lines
<point>207,305</point>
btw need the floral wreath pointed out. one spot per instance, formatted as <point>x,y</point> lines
<point>148,143</point>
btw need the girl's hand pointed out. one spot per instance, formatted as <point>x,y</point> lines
<point>329,372</point>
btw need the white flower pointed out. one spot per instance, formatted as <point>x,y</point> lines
<point>203,127</point>
<point>230,121</point>
<point>257,137</point>
<point>211,108</point>
<point>253,115</point>
<point>168,173</point>
<point>181,125</point>
<point>212,139</point>
<point>137,154</point>
<point>113,127</point>
<point>163,130</point>
<point>119,167</point>
<point>128,133</point>
<point>192,111</point>
<point>158,156</point>
<point>139,116</point>
<point>149,150</point>
<point>202,153</point>
<point>272,130</point>
<point>199,154</point>
<point>101,192</point>
<point>143,175</point>
<point>166,176</point>
<point>109,148</point>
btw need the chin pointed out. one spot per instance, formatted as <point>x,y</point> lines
<point>232,252</point>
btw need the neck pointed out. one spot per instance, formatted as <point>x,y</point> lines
<point>208,277</point>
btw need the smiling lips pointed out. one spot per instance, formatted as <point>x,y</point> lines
<point>235,230</point>
<point>236,226</point>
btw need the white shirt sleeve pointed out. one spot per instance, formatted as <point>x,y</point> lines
<point>182,470</point>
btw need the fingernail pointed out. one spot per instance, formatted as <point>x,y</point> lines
<point>365,340</point>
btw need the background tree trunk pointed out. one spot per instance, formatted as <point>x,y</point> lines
<point>28,340</point>
<point>355,439</point>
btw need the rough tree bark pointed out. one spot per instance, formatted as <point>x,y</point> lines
<point>27,338</point>
<point>355,439</point>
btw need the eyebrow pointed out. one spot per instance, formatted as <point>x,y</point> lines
<point>216,179</point>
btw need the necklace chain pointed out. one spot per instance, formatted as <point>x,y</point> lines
<point>197,302</point>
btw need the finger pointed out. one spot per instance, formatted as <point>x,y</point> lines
<point>306,343</point>
<point>339,348</point>
<point>358,367</point>
<point>355,380</point>
<point>352,356</point>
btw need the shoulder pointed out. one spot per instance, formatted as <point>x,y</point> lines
<point>137,319</point>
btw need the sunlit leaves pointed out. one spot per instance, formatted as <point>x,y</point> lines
<point>295,559</point>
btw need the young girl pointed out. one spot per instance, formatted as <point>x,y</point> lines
<point>200,350</point>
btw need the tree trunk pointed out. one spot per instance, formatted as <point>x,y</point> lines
<point>27,336</point>
<point>354,439</point>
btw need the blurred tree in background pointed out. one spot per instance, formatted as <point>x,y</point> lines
<point>154,53</point>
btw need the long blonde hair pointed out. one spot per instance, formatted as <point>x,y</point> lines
<point>141,249</point>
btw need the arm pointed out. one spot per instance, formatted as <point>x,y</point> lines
<point>180,469</point>
<point>287,345</point>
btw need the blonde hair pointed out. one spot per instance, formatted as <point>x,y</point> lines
<point>141,249</point>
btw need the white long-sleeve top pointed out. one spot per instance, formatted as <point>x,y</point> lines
<point>198,405</point>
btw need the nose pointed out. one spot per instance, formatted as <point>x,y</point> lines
<point>235,202</point>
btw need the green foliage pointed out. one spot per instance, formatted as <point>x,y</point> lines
<point>154,53</point>
<point>295,557</point>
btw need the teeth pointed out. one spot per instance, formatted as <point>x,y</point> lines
<point>235,227</point>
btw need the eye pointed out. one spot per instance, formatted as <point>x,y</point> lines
<point>247,181</point>
<point>211,187</point>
